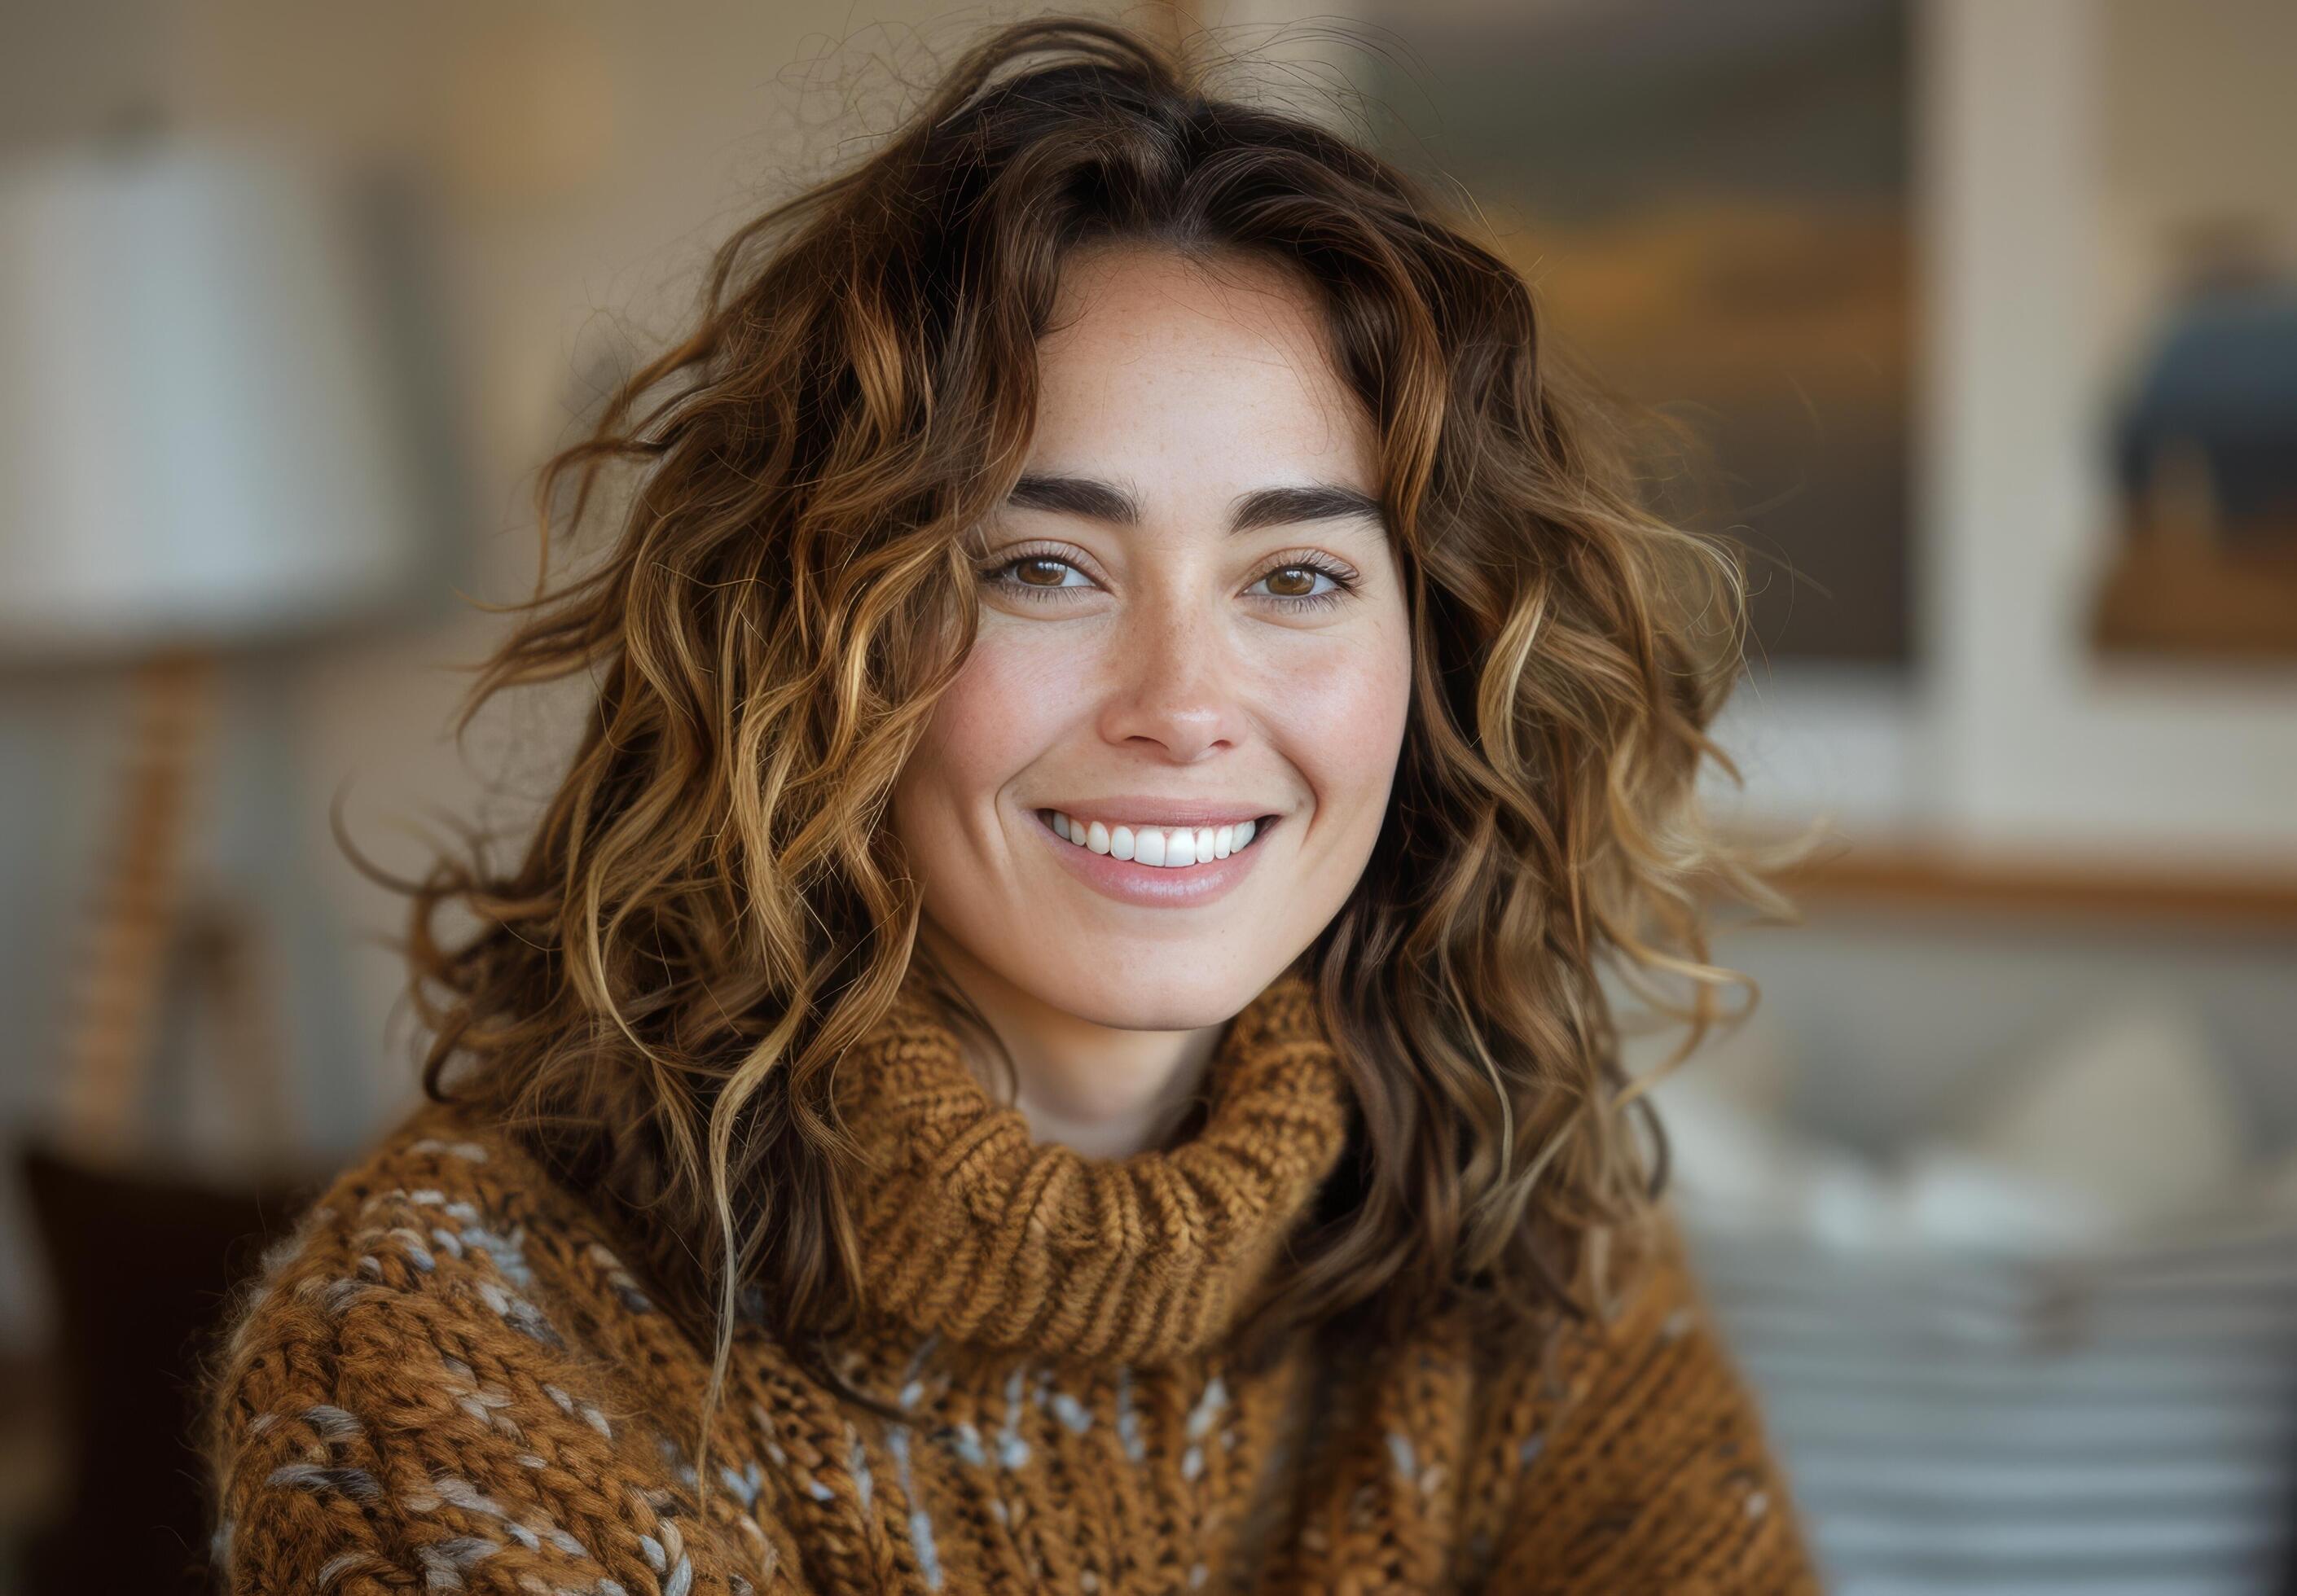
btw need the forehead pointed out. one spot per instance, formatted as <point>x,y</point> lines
<point>1221,364</point>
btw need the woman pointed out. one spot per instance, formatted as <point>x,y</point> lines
<point>1049,1038</point>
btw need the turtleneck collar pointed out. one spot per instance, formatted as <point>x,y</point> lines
<point>973,1231</point>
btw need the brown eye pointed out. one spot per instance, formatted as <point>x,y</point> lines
<point>1041,579</point>
<point>1293,586</point>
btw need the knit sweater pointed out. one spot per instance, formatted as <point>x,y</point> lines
<point>448,1378</point>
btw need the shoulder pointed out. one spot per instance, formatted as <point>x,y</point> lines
<point>1646,1352</point>
<point>1644,1449</point>
<point>442,1188</point>
<point>405,1395</point>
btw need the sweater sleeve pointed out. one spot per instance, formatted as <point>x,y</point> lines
<point>393,1411</point>
<point>1645,1462</point>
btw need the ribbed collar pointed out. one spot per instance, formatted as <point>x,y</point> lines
<point>973,1231</point>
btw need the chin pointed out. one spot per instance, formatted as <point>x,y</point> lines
<point>1189,994</point>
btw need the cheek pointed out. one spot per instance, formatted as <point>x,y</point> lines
<point>1002,711</point>
<point>1341,723</point>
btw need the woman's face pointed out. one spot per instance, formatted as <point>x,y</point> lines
<point>1191,623</point>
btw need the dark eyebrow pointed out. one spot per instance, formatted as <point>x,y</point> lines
<point>1095,500</point>
<point>1290,507</point>
<point>1075,496</point>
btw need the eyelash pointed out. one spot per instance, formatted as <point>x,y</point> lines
<point>1343,580</point>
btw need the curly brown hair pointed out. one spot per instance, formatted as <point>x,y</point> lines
<point>711,909</point>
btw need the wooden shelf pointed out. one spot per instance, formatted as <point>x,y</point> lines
<point>1898,874</point>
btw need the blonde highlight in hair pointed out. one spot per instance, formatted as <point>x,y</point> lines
<point>712,909</point>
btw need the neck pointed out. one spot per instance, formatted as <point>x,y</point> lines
<point>1106,1091</point>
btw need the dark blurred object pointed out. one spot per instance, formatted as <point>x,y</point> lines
<point>31,1460</point>
<point>139,1262</point>
<point>2206,458</point>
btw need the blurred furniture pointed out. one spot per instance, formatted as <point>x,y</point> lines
<point>2120,1423</point>
<point>200,453</point>
<point>1996,1200</point>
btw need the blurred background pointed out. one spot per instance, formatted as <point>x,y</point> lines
<point>1976,321</point>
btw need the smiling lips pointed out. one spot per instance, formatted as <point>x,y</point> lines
<point>1167,847</point>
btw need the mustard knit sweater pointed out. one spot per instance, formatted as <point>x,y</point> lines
<point>448,1380</point>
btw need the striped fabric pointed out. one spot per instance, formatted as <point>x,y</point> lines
<point>2119,1424</point>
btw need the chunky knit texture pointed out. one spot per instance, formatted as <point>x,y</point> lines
<point>449,1379</point>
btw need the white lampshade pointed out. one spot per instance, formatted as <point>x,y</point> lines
<point>199,442</point>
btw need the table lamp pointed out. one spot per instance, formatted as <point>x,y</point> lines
<point>200,450</point>
<point>204,448</point>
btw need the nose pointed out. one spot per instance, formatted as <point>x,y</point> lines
<point>1176,685</point>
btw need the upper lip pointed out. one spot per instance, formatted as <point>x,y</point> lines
<point>1162,811</point>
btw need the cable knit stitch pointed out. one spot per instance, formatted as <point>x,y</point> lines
<point>449,1380</point>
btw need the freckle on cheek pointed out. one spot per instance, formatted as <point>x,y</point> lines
<point>982,727</point>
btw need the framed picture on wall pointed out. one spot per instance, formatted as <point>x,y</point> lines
<point>1711,204</point>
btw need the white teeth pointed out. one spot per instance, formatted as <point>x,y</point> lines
<point>1170,847</point>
